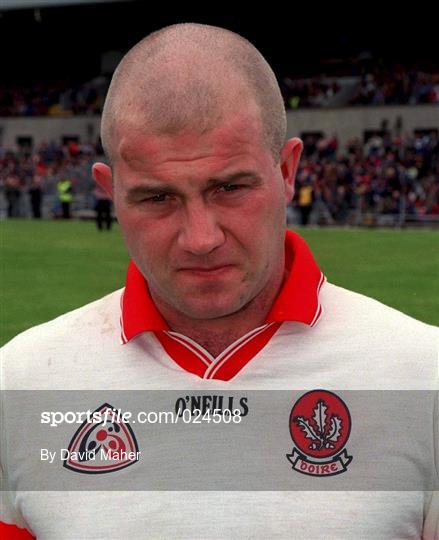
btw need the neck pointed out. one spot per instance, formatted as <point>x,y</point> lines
<point>215,335</point>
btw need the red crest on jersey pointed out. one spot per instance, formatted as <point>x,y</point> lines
<point>320,425</point>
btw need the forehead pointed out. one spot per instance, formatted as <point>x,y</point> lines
<point>236,141</point>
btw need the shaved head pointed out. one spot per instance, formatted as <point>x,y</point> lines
<point>191,76</point>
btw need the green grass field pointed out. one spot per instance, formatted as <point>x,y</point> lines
<point>51,267</point>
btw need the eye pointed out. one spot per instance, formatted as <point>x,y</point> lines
<point>227,188</point>
<point>159,198</point>
<point>151,199</point>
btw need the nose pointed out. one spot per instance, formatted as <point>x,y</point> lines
<point>200,233</point>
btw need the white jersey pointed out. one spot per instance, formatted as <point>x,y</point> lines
<point>336,341</point>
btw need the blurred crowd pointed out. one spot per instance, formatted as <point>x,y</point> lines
<point>388,175</point>
<point>397,87</point>
<point>51,181</point>
<point>312,92</point>
<point>376,86</point>
<point>59,98</point>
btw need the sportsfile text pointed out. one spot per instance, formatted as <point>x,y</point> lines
<point>108,416</point>
<point>116,416</point>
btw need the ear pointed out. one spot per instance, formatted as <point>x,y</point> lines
<point>104,177</point>
<point>289,162</point>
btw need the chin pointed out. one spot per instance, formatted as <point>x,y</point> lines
<point>211,310</point>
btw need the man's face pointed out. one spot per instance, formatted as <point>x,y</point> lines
<point>203,216</point>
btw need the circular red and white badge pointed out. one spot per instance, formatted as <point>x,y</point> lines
<point>320,424</point>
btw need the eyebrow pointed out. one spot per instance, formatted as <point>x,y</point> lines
<point>146,189</point>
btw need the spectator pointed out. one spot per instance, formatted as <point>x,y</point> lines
<point>305,201</point>
<point>13,195</point>
<point>36,194</point>
<point>103,208</point>
<point>65,195</point>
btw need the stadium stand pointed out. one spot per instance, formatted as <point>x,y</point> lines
<point>376,87</point>
<point>366,109</point>
<point>379,87</point>
<point>59,98</point>
<point>387,180</point>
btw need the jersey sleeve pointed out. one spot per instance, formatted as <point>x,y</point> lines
<point>11,523</point>
<point>431,519</point>
<point>12,532</point>
<point>9,516</point>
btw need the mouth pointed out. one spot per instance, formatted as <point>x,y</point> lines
<point>212,271</point>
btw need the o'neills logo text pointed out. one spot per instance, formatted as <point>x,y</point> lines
<point>104,446</point>
<point>203,403</point>
<point>320,425</point>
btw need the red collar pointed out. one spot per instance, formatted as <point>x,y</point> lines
<point>297,301</point>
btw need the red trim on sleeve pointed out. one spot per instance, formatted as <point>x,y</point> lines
<point>12,532</point>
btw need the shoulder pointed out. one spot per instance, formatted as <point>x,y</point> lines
<point>365,315</point>
<point>388,348</point>
<point>94,317</point>
<point>70,337</point>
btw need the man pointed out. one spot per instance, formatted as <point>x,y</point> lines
<point>36,196</point>
<point>65,195</point>
<point>103,209</point>
<point>219,297</point>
